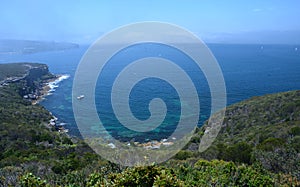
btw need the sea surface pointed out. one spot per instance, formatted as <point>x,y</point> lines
<point>248,70</point>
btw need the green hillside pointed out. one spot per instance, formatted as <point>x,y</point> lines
<point>17,70</point>
<point>263,130</point>
<point>28,143</point>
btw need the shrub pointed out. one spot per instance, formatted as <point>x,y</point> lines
<point>29,180</point>
<point>167,179</point>
<point>183,155</point>
<point>221,173</point>
<point>271,144</point>
<point>137,176</point>
<point>295,131</point>
<point>240,152</point>
<point>96,180</point>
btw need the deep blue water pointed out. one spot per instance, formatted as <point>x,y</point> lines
<point>249,70</point>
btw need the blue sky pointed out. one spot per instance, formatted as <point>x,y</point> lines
<point>256,21</point>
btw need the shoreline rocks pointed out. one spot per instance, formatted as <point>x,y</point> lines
<point>53,122</point>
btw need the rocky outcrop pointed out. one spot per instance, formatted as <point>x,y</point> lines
<point>31,77</point>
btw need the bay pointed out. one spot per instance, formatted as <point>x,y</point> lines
<point>249,70</point>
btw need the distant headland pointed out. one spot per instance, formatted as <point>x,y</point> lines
<point>9,46</point>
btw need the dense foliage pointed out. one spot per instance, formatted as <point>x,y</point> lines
<point>262,129</point>
<point>201,173</point>
<point>28,143</point>
<point>18,70</point>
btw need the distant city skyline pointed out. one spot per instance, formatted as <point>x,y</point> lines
<point>215,22</point>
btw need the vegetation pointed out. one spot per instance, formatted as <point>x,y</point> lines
<point>29,144</point>
<point>262,130</point>
<point>258,145</point>
<point>12,70</point>
<point>201,173</point>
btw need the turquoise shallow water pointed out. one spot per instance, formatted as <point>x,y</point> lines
<point>248,71</point>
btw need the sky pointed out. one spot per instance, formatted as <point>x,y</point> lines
<point>227,21</point>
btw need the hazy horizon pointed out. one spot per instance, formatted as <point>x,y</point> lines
<point>255,22</point>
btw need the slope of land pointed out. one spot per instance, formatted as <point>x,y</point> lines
<point>28,142</point>
<point>30,78</point>
<point>15,71</point>
<point>263,129</point>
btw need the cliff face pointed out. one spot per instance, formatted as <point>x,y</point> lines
<point>36,73</point>
<point>30,76</point>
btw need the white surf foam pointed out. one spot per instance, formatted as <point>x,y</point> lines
<point>54,84</point>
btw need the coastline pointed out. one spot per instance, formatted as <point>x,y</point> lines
<point>48,87</point>
<point>53,122</point>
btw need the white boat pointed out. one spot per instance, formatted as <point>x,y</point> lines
<point>80,97</point>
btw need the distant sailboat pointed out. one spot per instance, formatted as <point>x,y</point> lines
<point>296,49</point>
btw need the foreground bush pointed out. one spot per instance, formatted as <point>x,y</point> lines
<point>202,173</point>
<point>29,180</point>
<point>221,173</point>
<point>146,176</point>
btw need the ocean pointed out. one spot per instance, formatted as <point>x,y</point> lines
<point>248,70</point>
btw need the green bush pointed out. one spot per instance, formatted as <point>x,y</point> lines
<point>221,173</point>
<point>137,176</point>
<point>96,180</point>
<point>295,131</point>
<point>167,179</point>
<point>240,152</point>
<point>295,143</point>
<point>183,155</point>
<point>271,144</point>
<point>29,180</point>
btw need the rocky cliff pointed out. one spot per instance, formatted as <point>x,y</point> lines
<point>30,76</point>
